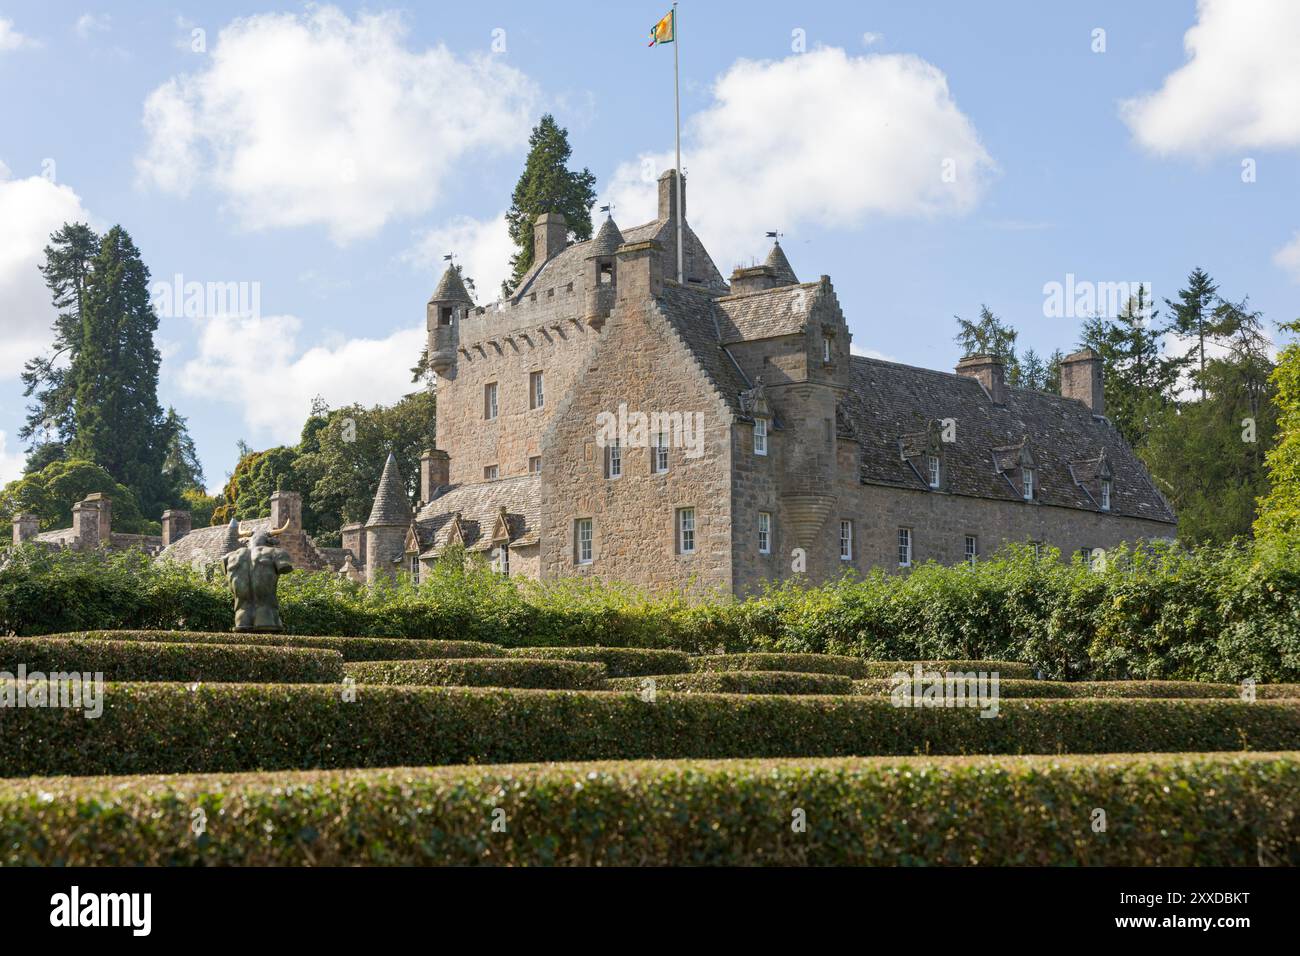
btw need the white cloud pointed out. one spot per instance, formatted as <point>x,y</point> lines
<point>1238,89</point>
<point>870,39</point>
<point>89,24</point>
<point>1288,257</point>
<point>816,139</point>
<point>11,39</point>
<point>11,463</point>
<point>318,119</point>
<point>257,365</point>
<point>30,209</point>
<point>482,247</point>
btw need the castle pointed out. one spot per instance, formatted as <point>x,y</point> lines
<point>608,420</point>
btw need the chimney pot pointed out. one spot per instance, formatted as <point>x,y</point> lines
<point>1081,379</point>
<point>989,371</point>
<point>550,236</point>
<point>175,525</point>
<point>435,468</point>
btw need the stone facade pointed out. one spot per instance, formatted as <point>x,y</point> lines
<point>785,453</point>
<point>92,528</point>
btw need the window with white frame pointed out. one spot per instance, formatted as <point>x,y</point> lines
<point>685,530</point>
<point>490,401</point>
<point>613,461</point>
<point>536,395</point>
<point>932,466</point>
<point>972,549</point>
<point>659,454</point>
<point>535,465</point>
<point>491,472</point>
<point>904,547</point>
<point>1027,483</point>
<point>760,436</point>
<point>501,560</point>
<point>415,568</point>
<point>764,533</point>
<point>582,541</point>
<point>1105,494</point>
<point>846,540</point>
<point>826,349</point>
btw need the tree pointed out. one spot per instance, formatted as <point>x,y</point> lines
<point>1194,316</point>
<point>1279,509</point>
<point>988,336</point>
<point>547,185</point>
<point>66,270</point>
<point>258,474</point>
<point>181,463</point>
<point>51,492</point>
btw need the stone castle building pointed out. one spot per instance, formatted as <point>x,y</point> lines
<point>92,528</point>
<point>606,420</point>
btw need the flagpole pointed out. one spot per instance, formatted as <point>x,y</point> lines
<point>677,99</point>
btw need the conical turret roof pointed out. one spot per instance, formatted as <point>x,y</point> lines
<point>780,266</point>
<point>607,239</point>
<point>450,288</point>
<point>392,507</point>
<point>231,542</point>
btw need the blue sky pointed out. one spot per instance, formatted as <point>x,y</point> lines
<point>929,157</point>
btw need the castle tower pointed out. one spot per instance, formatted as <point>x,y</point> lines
<point>600,273</point>
<point>386,528</point>
<point>782,272</point>
<point>447,306</point>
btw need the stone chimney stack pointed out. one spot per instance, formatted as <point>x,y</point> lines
<point>85,524</point>
<point>989,372</point>
<point>1081,379</point>
<point>105,506</point>
<point>550,236</point>
<point>26,527</point>
<point>286,506</point>
<point>668,195</point>
<point>435,469</point>
<point>640,271</point>
<point>175,525</point>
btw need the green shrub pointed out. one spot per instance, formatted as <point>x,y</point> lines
<point>846,666</point>
<point>1135,688</point>
<point>352,648</point>
<point>1178,810</point>
<point>618,661</point>
<point>490,672</point>
<point>177,728</point>
<point>741,682</point>
<point>154,661</point>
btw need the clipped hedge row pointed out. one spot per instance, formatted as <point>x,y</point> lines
<point>175,728</point>
<point>1181,810</point>
<point>741,682</point>
<point>1136,688</point>
<point>352,648</point>
<point>153,661</point>
<point>618,661</point>
<point>482,672</point>
<point>853,667</point>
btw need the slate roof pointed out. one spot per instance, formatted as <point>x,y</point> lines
<point>392,506</point>
<point>780,266</point>
<point>608,238</point>
<point>888,401</point>
<point>479,505</point>
<point>450,288</point>
<point>766,314</point>
<point>204,546</point>
<point>692,314</point>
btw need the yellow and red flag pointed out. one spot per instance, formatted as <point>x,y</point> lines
<point>665,31</point>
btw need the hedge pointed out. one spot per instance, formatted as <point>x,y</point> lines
<point>845,666</point>
<point>741,682</point>
<point>618,661</point>
<point>352,648</point>
<point>489,672</point>
<point>1180,810</point>
<point>175,728</point>
<point>152,661</point>
<point>1157,688</point>
<point>1166,613</point>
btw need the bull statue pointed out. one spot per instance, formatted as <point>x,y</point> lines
<point>253,572</point>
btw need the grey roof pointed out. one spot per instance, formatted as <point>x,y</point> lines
<point>204,546</point>
<point>392,506</point>
<point>450,288</point>
<point>607,239</point>
<point>478,506</point>
<point>691,314</point>
<point>766,314</point>
<point>780,266</point>
<point>888,401</point>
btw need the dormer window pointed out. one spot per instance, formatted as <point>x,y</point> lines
<point>760,436</point>
<point>1105,494</point>
<point>1027,483</point>
<point>932,466</point>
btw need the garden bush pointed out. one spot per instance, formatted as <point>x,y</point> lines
<point>178,728</point>
<point>618,661</point>
<point>352,648</point>
<point>846,666</point>
<point>1179,810</point>
<point>741,682</point>
<point>490,672</point>
<point>156,661</point>
<point>1134,688</point>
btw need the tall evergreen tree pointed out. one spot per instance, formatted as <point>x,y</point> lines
<point>547,185</point>
<point>1194,316</point>
<point>989,335</point>
<point>181,464</point>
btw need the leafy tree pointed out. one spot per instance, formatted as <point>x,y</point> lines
<point>201,506</point>
<point>247,493</point>
<point>51,492</point>
<point>1279,509</point>
<point>181,464</point>
<point>547,185</point>
<point>989,336</point>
